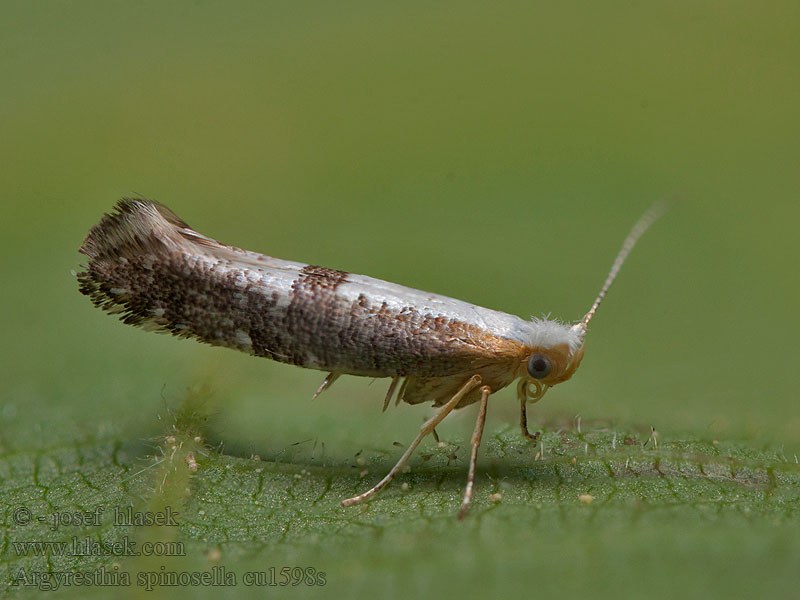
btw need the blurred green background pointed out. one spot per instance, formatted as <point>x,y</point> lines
<point>494,152</point>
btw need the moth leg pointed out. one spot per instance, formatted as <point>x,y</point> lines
<point>473,458</point>
<point>389,393</point>
<point>427,427</point>
<point>401,392</point>
<point>523,421</point>
<point>327,382</point>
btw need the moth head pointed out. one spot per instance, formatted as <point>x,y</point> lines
<point>546,366</point>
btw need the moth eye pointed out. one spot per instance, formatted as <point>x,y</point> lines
<point>539,366</point>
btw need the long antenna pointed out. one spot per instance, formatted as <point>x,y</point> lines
<point>650,216</point>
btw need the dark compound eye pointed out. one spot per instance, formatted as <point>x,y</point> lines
<point>539,366</point>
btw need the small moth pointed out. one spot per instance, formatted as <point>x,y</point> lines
<point>148,266</point>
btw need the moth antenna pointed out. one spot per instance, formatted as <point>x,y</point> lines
<point>650,216</point>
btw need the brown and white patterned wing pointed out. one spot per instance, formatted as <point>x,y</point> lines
<point>150,267</point>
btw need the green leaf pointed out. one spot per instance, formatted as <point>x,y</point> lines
<point>618,496</point>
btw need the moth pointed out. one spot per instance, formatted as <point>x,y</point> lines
<point>153,270</point>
